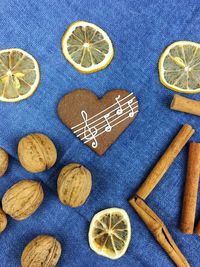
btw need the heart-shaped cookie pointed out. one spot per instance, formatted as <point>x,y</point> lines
<point>98,122</point>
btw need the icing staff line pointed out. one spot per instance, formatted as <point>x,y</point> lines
<point>112,126</point>
<point>114,115</point>
<point>102,111</point>
<point>108,112</point>
<point>104,126</point>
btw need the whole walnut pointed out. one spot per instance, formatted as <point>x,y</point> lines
<point>3,221</point>
<point>3,161</point>
<point>74,185</point>
<point>22,199</point>
<point>43,251</point>
<point>37,152</point>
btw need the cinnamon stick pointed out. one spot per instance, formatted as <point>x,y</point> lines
<point>191,189</point>
<point>159,231</point>
<point>165,161</point>
<point>184,104</point>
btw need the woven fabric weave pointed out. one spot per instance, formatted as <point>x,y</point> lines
<point>140,30</point>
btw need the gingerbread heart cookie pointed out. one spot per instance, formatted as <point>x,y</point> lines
<point>98,122</point>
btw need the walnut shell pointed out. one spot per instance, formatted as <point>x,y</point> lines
<point>22,199</point>
<point>43,251</point>
<point>3,161</point>
<point>74,185</point>
<point>3,221</point>
<point>37,152</point>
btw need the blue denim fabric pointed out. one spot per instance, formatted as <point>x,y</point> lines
<point>140,30</point>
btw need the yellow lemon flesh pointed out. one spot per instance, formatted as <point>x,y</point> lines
<point>110,233</point>
<point>87,47</point>
<point>179,67</point>
<point>19,75</point>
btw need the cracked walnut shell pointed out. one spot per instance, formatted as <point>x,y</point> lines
<point>22,199</point>
<point>43,251</point>
<point>37,152</point>
<point>3,161</point>
<point>74,185</point>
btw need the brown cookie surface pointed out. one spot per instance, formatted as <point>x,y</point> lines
<point>98,122</point>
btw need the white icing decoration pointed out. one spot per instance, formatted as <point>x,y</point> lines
<point>92,133</point>
<point>112,126</point>
<point>108,127</point>
<point>119,110</point>
<point>131,114</point>
<point>101,113</point>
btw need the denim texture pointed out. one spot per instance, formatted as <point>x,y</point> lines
<point>140,31</point>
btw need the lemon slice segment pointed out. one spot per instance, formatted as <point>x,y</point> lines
<point>87,47</point>
<point>19,75</point>
<point>110,233</point>
<point>179,67</point>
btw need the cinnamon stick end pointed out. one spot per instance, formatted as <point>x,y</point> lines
<point>173,103</point>
<point>197,229</point>
<point>187,229</point>
<point>189,127</point>
<point>132,201</point>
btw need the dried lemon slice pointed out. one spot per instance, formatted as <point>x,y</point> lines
<point>87,47</point>
<point>110,233</point>
<point>19,75</point>
<point>179,67</point>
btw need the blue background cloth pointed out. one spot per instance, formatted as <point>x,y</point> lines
<point>140,30</point>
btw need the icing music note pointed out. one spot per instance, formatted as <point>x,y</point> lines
<point>92,131</point>
<point>108,128</point>
<point>131,114</point>
<point>119,110</point>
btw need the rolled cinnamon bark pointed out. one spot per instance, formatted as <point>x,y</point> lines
<point>184,104</point>
<point>165,161</point>
<point>159,231</point>
<point>191,189</point>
